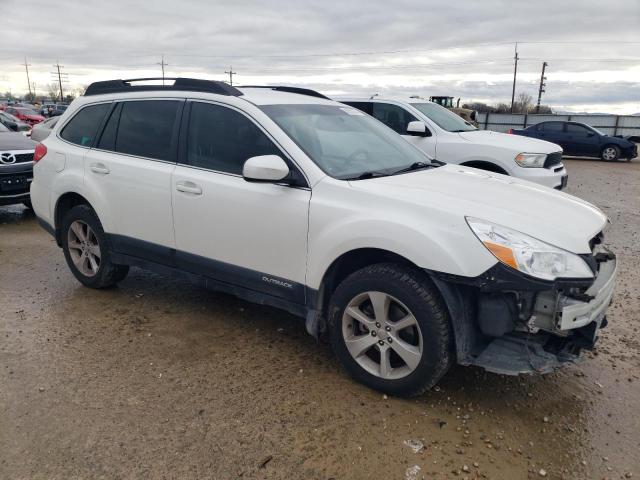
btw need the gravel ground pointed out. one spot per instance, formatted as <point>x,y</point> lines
<point>161,379</point>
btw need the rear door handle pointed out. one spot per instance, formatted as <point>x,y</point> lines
<point>99,168</point>
<point>189,187</point>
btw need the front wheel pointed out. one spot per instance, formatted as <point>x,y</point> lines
<point>390,329</point>
<point>610,153</point>
<point>87,251</point>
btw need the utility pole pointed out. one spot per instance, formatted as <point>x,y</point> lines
<point>231,74</point>
<point>515,72</point>
<point>162,65</point>
<point>59,75</point>
<point>26,67</point>
<point>542,85</point>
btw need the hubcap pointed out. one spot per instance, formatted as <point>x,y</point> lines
<point>609,153</point>
<point>382,335</point>
<point>84,248</point>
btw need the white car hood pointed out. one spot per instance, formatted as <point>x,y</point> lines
<point>546,214</point>
<point>518,143</point>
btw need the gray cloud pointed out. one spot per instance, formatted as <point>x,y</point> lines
<point>443,48</point>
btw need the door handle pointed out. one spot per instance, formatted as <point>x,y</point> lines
<point>189,187</point>
<point>99,168</point>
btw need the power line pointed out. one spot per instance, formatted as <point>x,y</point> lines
<point>60,75</point>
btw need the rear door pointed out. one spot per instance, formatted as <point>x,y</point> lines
<point>130,169</point>
<point>249,234</point>
<point>553,132</point>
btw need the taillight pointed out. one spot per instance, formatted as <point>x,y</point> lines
<point>510,131</point>
<point>40,152</point>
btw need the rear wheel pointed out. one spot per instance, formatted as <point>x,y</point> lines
<point>610,153</point>
<point>390,329</point>
<point>27,203</point>
<point>87,251</point>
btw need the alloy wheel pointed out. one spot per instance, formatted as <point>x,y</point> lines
<point>609,153</point>
<point>84,248</point>
<point>382,335</point>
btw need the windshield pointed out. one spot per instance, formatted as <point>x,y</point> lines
<point>3,128</point>
<point>344,142</point>
<point>444,118</point>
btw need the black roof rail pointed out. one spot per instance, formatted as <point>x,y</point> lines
<point>282,88</point>
<point>183,84</point>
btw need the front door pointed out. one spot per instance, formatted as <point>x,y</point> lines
<point>249,234</point>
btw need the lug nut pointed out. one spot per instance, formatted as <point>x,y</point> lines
<point>387,328</point>
<point>377,324</point>
<point>389,339</point>
<point>373,333</point>
<point>380,342</point>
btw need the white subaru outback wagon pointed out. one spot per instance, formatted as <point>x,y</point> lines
<point>285,198</point>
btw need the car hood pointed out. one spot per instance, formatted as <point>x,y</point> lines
<point>546,214</point>
<point>15,141</point>
<point>518,143</point>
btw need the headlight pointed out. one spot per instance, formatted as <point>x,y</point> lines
<point>527,254</point>
<point>529,160</point>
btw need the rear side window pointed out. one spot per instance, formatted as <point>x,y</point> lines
<point>551,127</point>
<point>223,139</point>
<point>366,107</point>
<point>393,116</point>
<point>146,128</point>
<point>83,127</point>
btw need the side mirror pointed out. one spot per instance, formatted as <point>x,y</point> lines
<point>418,129</point>
<point>265,168</point>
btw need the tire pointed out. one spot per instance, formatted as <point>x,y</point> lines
<point>87,250</point>
<point>610,153</point>
<point>27,203</point>
<point>427,341</point>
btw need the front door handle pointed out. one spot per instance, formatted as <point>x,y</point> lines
<point>189,187</point>
<point>99,168</point>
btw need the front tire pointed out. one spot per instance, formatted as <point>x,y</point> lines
<point>391,330</point>
<point>610,153</point>
<point>87,250</point>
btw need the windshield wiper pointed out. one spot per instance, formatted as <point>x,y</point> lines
<point>413,166</point>
<point>368,174</point>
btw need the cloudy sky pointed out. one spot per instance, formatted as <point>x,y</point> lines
<point>463,48</point>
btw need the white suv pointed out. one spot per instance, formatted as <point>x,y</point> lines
<point>449,138</point>
<point>309,205</point>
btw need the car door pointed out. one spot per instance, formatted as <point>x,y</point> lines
<point>253,235</point>
<point>398,118</point>
<point>582,140</point>
<point>553,132</point>
<point>129,171</point>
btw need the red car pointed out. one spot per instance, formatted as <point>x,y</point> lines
<point>25,114</point>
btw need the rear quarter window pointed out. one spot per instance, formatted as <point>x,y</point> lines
<point>83,127</point>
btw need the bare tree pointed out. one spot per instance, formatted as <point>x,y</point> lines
<point>52,90</point>
<point>523,103</point>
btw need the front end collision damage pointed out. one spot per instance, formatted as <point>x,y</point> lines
<point>510,323</point>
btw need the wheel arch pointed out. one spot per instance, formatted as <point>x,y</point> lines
<point>65,203</point>
<point>485,165</point>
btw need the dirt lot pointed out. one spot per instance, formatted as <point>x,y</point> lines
<point>161,379</point>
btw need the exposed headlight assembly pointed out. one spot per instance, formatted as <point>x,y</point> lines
<point>531,160</point>
<point>527,254</point>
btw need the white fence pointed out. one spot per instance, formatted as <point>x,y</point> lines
<point>609,124</point>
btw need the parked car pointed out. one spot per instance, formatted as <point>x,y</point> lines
<point>308,205</point>
<point>52,110</point>
<point>25,114</point>
<point>581,140</point>
<point>43,129</point>
<point>449,138</point>
<point>14,124</point>
<point>16,167</point>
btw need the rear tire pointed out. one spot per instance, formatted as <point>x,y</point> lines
<point>87,251</point>
<point>390,329</point>
<point>610,153</point>
<point>27,204</point>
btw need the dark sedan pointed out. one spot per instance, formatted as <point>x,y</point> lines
<point>16,167</point>
<point>581,140</point>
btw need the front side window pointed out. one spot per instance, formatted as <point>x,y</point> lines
<point>444,118</point>
<point>393,116</point>
<point>552,127</point>
<point>577,130</point>
<point>222,139</point>
<point>147,128</point>
<point>83,127</point>
<point>344,142</point>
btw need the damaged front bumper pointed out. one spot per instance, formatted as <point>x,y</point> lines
<point>515,324</point>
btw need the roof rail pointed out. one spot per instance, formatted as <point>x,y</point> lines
<point>183,84</point>
<point>282,88</point>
